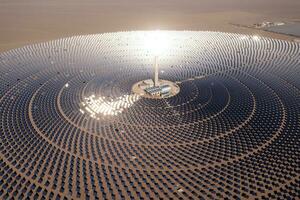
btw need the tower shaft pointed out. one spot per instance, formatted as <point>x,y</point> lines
<point>156,71</point>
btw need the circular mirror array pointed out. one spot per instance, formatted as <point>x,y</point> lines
<point>71,127</point>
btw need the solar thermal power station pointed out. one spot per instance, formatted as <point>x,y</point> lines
<point>151,115</point>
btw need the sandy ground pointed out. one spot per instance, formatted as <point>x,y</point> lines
<point>31,21</point>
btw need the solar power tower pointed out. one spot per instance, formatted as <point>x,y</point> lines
<point>156,83</point>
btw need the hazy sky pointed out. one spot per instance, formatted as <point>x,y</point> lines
<point>272,6</point>
<point>26,21</point>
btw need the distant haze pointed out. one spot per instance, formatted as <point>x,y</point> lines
<point>27,21</point>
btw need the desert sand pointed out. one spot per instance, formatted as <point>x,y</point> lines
<point>33,21</point>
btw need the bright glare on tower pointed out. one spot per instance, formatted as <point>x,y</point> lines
<point>156,42</point>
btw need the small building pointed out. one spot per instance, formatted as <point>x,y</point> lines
<point>163,90</point>
<point>153,90</point>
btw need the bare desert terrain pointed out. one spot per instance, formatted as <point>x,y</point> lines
<point>32,21</point>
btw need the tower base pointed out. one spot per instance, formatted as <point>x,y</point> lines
<point>147,89</point>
